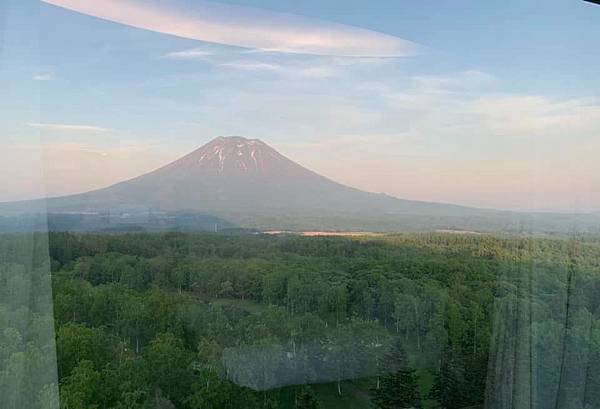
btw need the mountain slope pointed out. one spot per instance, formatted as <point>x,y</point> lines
<point>234,174</point>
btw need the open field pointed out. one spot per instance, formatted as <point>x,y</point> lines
<point>315,233</point>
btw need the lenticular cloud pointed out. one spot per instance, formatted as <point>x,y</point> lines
<point>244,27</point>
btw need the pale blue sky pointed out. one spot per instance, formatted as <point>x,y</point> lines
<point>495,105</point>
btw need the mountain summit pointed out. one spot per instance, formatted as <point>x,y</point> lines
<point>234,156</point>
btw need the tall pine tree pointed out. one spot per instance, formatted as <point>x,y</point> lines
<point>398,387</point>
<point>449,385</point>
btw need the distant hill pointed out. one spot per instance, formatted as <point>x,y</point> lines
<point>244,182</point>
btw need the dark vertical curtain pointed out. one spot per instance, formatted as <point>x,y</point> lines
<point>546,333</point>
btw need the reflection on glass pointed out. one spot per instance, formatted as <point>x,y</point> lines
<point>191,216</point>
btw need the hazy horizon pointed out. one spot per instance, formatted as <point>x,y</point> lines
<point>109,183</point>
<point>493,108</point>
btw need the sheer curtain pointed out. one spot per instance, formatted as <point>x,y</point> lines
<point>28,372</point>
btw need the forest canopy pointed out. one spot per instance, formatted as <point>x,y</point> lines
<point>258,321</point>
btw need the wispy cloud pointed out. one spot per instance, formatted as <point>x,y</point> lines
<point>204,52</point>
<point>312,69</point>
<point>317,71</point>
<point>69,127</point>
<point>526,116</point>
<point>235,58</point>
<point>462,81</point>
<point>193,54</point>
<point>43,77</point>
<point>252,66</point>
<point>244,27</point>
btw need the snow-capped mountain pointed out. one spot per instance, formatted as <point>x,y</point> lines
<point>240,179</point>
<point>229,175</point>
<point>245,182</point>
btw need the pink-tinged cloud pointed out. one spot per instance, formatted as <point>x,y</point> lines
<point>244,27</point>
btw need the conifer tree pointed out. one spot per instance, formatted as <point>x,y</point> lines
<point>448,386</point>
<point>398,387</point>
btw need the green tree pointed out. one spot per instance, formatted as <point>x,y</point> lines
<point>398,388</point>
<point>213,392</point>
<point>448,386</point>
<point>307,399</point>
<point>168,366</point>
<point>76,342</point>
<point>81,389</point>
